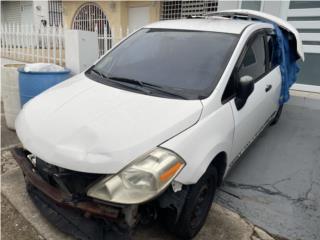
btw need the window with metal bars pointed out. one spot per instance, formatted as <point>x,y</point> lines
<point>90,17</point>
<point>55,13</point>
<point>182,9</point>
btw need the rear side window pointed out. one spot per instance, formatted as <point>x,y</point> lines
<point>254,61</point>
<point>272,51</point>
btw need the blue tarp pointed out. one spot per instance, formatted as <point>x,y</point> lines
<point>288,66</point>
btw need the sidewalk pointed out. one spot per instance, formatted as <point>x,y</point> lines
<point>5,61</point>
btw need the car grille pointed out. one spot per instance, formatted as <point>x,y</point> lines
<point>67,180</point>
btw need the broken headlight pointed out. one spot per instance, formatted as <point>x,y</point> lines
<point>140,181</point>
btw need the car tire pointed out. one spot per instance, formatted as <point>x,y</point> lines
<point>196,207</point>
<point>277,116</point>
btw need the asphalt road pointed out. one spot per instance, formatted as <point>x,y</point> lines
<point>276,183</point>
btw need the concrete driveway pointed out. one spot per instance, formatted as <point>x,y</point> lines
<point>276,183</point>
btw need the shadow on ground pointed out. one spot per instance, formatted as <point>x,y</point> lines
<point>277,181</point>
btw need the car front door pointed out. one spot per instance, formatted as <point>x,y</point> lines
<point>262,102</point>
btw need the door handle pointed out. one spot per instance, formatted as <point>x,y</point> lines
<point>268,87</point>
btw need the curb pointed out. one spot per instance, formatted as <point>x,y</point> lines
<point>305,99</point>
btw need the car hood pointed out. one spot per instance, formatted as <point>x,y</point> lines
<point>86,126</point>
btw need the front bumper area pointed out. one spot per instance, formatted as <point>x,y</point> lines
<point>83,218</point>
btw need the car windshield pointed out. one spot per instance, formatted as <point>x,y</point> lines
<point>184,63</point>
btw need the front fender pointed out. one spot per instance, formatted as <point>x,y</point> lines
<point>199,144</point>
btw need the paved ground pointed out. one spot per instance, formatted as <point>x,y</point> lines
<point>13,225</point>
<point>277,181</point>
<point>275,185</point>
<point>22,220</point>
<point>10,138</point>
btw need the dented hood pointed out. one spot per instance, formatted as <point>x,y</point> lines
<point>270,18</point>
<point>86,126</point>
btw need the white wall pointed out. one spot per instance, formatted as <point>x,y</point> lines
<point>26,12</point>
<point>227,5</point>
<point>40,10</point>
<point>11,12</point>
<point>137,17</point>
<point>273,7</point>
<point>81,49</point>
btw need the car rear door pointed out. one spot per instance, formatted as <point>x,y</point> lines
<point>251,118</point>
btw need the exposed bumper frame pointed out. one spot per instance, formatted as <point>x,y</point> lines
<point>59,197</point>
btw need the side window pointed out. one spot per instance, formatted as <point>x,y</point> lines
<point>254,61</point>
<point>272,51</point>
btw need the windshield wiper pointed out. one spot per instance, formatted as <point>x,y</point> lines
<point>98,72</point>
<point>147,85</point>
<point>162,89</point>
<point>127,80</point>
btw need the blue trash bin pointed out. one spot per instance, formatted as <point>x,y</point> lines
<point>33,83</point>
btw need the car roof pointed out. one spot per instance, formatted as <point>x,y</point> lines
<point>211,24</point>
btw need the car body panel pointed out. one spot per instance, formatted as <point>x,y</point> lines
<point>259,108</point>
<point>196,130</point>
<point>199,154</point>
<point>199,144</point>
<point>86,126</point>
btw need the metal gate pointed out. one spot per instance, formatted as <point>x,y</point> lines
<point>181,9</point>
<point>90,17</point>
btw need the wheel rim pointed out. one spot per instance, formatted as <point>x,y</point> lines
<point>201,207</point>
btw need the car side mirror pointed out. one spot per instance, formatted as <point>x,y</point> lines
<point>244,90</point>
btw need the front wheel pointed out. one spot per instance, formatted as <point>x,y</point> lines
<point>197,205</point>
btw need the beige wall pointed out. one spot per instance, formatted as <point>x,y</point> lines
<point>116,12</point>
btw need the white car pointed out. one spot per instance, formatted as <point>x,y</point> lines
<point>153,127</point>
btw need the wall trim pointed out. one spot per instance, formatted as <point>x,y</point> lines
<point>305,88</point>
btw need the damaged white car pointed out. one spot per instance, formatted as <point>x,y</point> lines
<point>153,127</point>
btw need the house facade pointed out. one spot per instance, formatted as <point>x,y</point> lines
<point>46,13</point>
<point>130,15</point>
<point>113,20</point>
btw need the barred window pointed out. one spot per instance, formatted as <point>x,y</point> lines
<point>55,13</point>
<point>182,9</point>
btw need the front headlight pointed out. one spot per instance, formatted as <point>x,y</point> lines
<point>140,181</point>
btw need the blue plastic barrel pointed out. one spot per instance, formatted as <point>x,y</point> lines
<point>33,83</point>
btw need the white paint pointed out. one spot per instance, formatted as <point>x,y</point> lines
<point>138,17</point>
<point>26,12</point>
<point>305,88</point>
<point>10,93</point>
<point>10,11</point>
<point>225,5</point>
<point>30,42</point>
<point>307,12</point>
<point>264,16</point>
<point>284,9</point>
<point>215,131</point>
<point>310,36</point>
<point>81,49</point>
<point>258,109</point>
<point>86,126</point>
<point>305,24</point>
<point>311,48</point>
<point>40,12</point>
